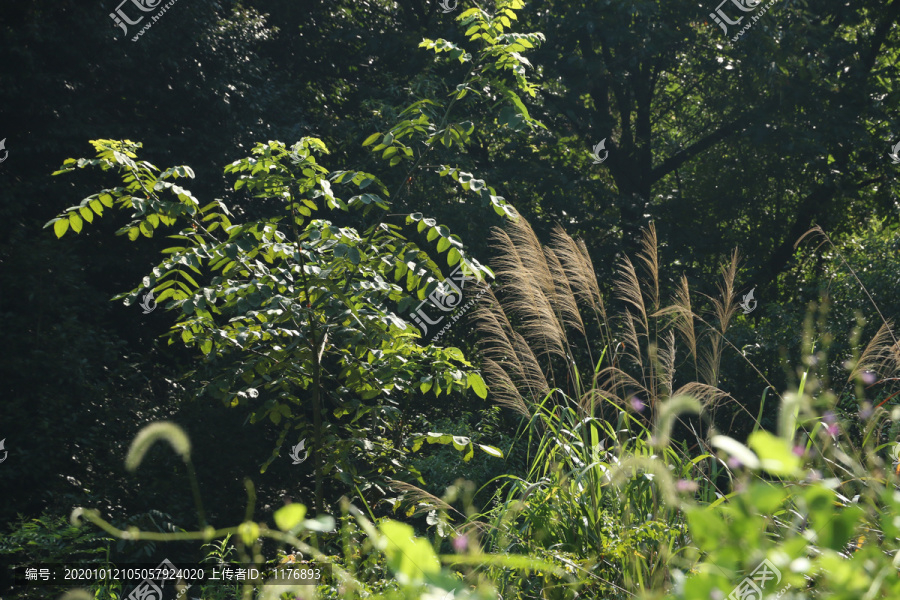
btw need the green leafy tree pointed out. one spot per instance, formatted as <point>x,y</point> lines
<point>299,315</point>
<point>291,309</point>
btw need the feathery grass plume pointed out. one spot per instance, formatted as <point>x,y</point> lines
<point>709,360</point>
<point>709,396</point>
<point>544,291</point>
<point>631,341</point>
<point>665,357</point>
<point>579,270</point>
<point>149,435</point>
<point>503,391</point>
<point>628,288</point>
<point>565,297</point>
<point>881,355</point>
<point>617,385</point>
<point>724,308</point>
<point>506,349</point>
<point>534,378</point>
<point>532,255</point>
<point>652,364</point>
<point>579,451</point>
<point>649,255</point>
<point>524,273</point>
<point>510,367</point>
<point>425,500</point>
<point>683,313</point>
<point>496,330</point>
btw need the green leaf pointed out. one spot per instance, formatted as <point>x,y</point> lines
<point>491,450</point>
<point>736,449</point>
<point>290,516</point>
<point>453,256</point>
<point>519,104</point>
<point>775,453</point>
<point>469,453</point>
<point>455,354</point>
<point>409,557</point>
<point>60,227</point>
<point>477,385</point>
<point>75,222</point>
<point>371,139</point>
